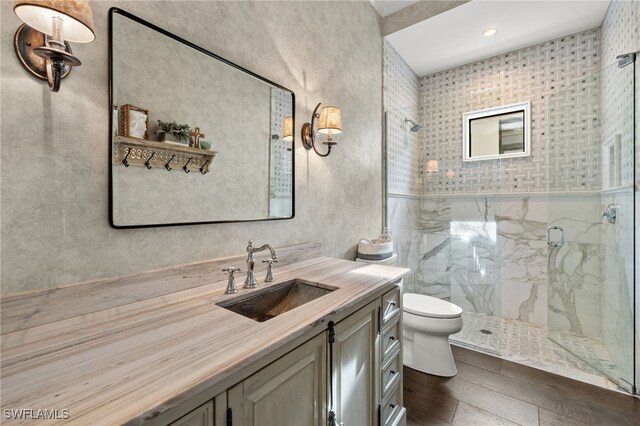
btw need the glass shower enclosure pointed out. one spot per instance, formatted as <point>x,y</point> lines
<point>591,232</point>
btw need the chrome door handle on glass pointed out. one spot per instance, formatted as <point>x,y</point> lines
<point>610,213</point>
<point>555,243</point>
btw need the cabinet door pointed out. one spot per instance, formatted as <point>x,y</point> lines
<point>290,391</point>
<point>201,416</point>
<point>356,367</point>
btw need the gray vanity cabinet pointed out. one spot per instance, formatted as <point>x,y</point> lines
<point>295,389</point>
<point>201,416</point>
<point>289,391</point>
<point>356,367</point>
<point>392,412</point>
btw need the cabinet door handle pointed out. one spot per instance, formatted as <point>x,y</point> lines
<point>392,372</point>
<point>392,338</point>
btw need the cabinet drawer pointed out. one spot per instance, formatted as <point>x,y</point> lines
<point>391,341</point>
<point>391,373</point>
<point>390,306</point>
<point>392,409</point>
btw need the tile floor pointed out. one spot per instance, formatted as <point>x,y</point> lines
<point>530,345</point>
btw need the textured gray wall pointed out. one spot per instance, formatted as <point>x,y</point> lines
<point>55,147</point>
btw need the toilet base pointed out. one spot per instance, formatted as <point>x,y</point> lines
<point>429,354</point>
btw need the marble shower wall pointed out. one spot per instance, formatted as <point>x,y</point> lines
<point>489,255</point>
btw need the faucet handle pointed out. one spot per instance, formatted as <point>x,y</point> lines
<point>231,284</point>
<point>231,270</point>
<point>269,262</point>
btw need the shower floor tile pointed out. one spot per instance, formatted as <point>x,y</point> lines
<point>530,345</point>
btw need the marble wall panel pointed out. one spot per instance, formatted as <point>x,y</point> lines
<point>521,223</point>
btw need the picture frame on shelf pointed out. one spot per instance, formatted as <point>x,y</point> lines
<point>134,122</point>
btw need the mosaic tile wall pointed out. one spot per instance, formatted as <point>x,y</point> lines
<point>281,167</point>
<point>574,142</point>
<point>400,94</point>
<point>530,74</point>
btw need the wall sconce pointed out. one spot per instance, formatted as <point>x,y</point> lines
<point>432,167</point>
<point>41,44</point>
<point>329,123</point>
<point>287,129</point>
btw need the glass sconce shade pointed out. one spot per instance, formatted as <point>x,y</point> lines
<point>76,15</point>
<point>432,165</point>
<point>329,121</point>
<point>287,129</point>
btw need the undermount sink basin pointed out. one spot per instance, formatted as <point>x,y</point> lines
<point>270,302</point>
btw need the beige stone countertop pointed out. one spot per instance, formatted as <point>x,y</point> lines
<point>144,362</point>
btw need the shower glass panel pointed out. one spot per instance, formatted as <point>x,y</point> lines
<point>590,256</point>
<point>441,213</point>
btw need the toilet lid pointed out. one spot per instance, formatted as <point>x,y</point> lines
<point>431,307</point>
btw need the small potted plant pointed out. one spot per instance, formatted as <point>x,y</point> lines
<point>173,132</point>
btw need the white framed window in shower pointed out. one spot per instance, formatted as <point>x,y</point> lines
<point>498,132</point>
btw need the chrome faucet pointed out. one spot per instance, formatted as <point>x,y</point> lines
<point>250,281</point>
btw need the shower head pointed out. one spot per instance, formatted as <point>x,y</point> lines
<point>415,126</point>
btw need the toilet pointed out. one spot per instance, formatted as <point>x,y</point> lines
<point>427,324</point>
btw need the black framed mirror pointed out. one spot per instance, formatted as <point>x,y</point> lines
<point>195,138</point>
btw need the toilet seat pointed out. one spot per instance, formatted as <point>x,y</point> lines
<point>429,307</point>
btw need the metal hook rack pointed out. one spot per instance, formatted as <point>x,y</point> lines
<point>124,160</point>
<point>142,153</point>
<point>167,166</point>
<point>185,168</point>
<point>202,169</point>
<point>146,163</point>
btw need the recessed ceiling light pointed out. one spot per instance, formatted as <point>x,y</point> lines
<point>490,32</point>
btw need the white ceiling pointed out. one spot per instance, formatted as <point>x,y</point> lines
<point>454,38</point>
<point>387,7</point>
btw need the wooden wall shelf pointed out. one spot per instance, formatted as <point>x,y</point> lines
<point>161,155</point>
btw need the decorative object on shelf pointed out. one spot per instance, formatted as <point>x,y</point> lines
<point>195,136</point>
<point>172,132</point>
<point>41,45</point>
<point>329,123</point>
<point>205,144</point>
<point>134,122</point>
<point>142,153</point>
<point>287,129</point>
